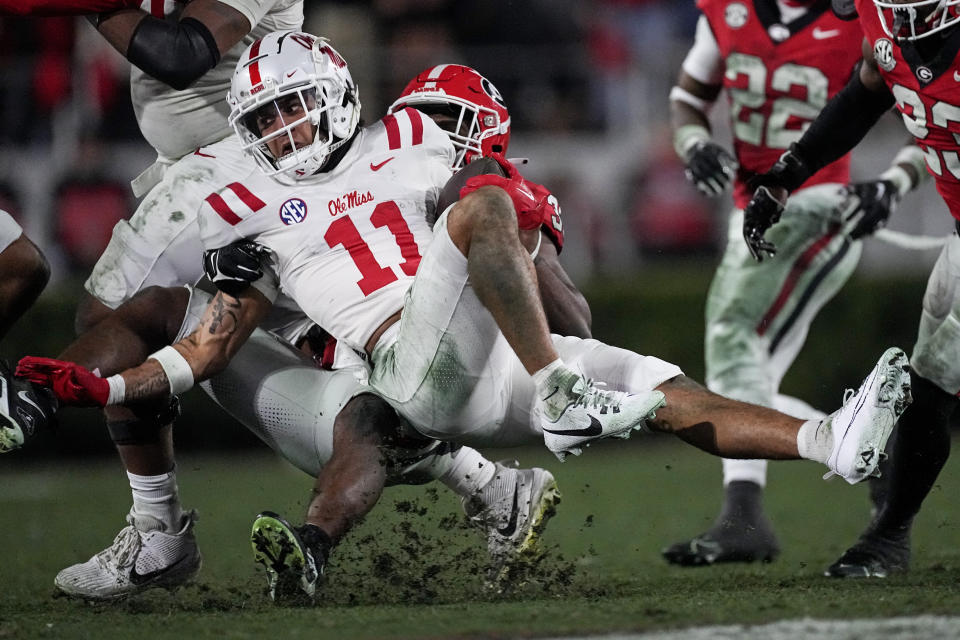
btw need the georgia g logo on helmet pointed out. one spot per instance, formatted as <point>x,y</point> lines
<point>492,91</point>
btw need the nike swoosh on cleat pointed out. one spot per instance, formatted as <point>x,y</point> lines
<point>377,167</point>
<point>23,396</point>
<point>143,578</point>
<point>593,430</point>
<point>823,34</point>
<point>511,527</point>
<point>551,394</point>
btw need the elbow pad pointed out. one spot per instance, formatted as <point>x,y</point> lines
<point>175,53</point>
<point>842,123</point>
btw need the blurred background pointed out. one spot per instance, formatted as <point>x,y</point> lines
<point>586,83</point>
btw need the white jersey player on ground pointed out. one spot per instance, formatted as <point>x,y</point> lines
<point>160,246</point>
<point>333,212</point>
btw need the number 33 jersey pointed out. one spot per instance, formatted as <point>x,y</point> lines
<point>927,95</point>
<point>778,76</point>
<point>347,244</point>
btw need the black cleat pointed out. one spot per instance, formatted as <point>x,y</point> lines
<point>292,572</point>
<point>731,541</point>
<point>873,556</point>
<point>25,408</point>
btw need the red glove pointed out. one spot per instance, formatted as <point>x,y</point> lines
<point>529,198</point>
<point>72,384</point>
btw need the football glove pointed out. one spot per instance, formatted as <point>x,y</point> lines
<point>73,385</point>
<point>234,267</point>
<point>710,168</point>
<point>770,193</point>
<point>529,198</point>
<point>875,201</point>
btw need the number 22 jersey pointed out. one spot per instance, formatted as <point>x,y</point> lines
<point>348,243</point>
<point>778,77</point>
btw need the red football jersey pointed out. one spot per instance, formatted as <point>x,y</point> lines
<point>778,78</point>
<point>928,98</point>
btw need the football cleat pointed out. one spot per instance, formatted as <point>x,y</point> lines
<point>513,510</point>
<point>25,408</point>
<point>863,424</point>
<point>573,418</point>
<point>292,571</point>
<point>873,556</point>
<point>143,556</point>
<point>729,541</point>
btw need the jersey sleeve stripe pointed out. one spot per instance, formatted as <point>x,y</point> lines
<point>416,123</point>
<point>220,206</point>
<point>156,8</point>
<point>393,132</point>
<point>246,197</point>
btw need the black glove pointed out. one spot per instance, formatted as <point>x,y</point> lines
<point>232,268</point>
<point>877,200</point>
<point>770,191</point>
<point>710,168</point>
<point>761,213</point>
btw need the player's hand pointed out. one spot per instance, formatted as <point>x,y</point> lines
<point>529,198</point>
<point>761,213</point>
<point>710,168</point>
<point>72,384</point>
<point>874,202</point>
<point>234,267</point>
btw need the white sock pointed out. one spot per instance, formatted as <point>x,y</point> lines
<point>754,471</point>
<point>158,497</point>
<point>541,377</point>
<point>815,440</point>
<point>469,472</point>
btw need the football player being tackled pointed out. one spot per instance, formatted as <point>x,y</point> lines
<point>909,61</point>
<point>470,358</point>
<point>758,314</point>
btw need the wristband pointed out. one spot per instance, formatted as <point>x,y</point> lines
<point>682,95</point>
<point>688,135</point>
<point>175,366</point>
<point>899,177</point>
<point>118,389</point>
<point>912,156</point>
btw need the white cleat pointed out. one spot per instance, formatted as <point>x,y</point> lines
<point>863,424</point>
<point>142,557</point>
<point>513,510</point>
<point>590,413</point>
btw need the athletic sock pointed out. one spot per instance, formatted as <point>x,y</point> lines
<point>468,473</point>
<point>554,383</point>
<point>815,440</point>
<point>157,497</point>
<point>742,502</point>
<point>318,542</point>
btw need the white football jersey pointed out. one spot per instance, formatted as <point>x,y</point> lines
<point>347,245</point>
<point>177,122</point>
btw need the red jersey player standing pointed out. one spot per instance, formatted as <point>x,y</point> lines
<point>779,63</point>
<point>910,60</point>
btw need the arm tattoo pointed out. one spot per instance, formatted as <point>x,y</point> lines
<point>224,315</point>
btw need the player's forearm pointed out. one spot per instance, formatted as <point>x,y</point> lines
<point>567,311</point>
<point>62,7</point>
<point>843,123</point>
<point>690,102</point>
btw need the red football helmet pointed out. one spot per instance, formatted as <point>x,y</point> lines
<point>906,20</point>
<point>464,103</point>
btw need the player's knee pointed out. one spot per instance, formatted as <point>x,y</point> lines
<point>367,418</point>
<point>485,211</point>
<point>144,427</point>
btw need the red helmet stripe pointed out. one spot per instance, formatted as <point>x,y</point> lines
<point>255,67</point>
<point>393,132</point>
<point>220,206</point>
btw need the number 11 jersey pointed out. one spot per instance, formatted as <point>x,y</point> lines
<point>347,243</point>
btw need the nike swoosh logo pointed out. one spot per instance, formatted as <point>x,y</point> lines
<point>23,396</point>
<point>820,34</point>
<point>377,167</point>
<point>143,578</point>
<point>593,430</point>
<point>550,395</point>
<point>511,527</point>
<point>956,76</point>
<point>203,155</point>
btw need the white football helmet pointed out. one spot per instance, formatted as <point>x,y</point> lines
<point>316,79</point>
<point>916,19</point>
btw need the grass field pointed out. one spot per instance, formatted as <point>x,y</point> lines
<point>413,571</point>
